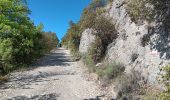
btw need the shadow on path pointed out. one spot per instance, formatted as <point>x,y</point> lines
<point>37,97</point>
<point>57,58</point>
<point>24,82</point>
<point>54,59</point>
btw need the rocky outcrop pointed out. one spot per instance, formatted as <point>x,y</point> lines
<point>139,47</point>
<point>87,38</point>
<point>129,48</point>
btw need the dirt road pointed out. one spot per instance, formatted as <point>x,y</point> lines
<point>55,77</point>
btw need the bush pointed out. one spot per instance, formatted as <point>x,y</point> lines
<point>147,9</point>
<point>95,50</point>
<point>20,39</point>
<point>92,18</point>
<point>105,30</point>
<point>100,73</point>
<point>166,80</point>
<point>48,41</point>
<point>138,10</point>
<point>114,69</point>
<point>6,55</point>
<point>76,54</point>
<point>130,86</point>
<point>89,63</point>
<point>71,40</point>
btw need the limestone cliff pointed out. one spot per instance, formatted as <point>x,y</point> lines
<point>129,48</point>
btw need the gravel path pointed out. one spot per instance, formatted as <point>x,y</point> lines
<point>55,77</point>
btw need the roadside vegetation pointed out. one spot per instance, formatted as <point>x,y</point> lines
<point>129,86</point>
<point>147,9</point>
<point>165,95</point>
<point>92,17</point>
<point>21,42</point>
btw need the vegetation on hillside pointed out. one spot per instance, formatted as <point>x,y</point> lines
<point>147,9</point>
<point>20,39</point>
<point>93,18</point>
<point>166,80</point>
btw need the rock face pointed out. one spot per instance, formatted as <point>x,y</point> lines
<point>129,48</point>
<point>87,38</point>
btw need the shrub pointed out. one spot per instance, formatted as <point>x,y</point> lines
<point>96,4</point>
<point>100,72</point>
<point>92,18</point>
<point>20,39</point>
<point>166,80</point>
<point>105,31</point>
<point>129,86</point>
<point>95,50</point>
<point>88,20</point>
<point>147,9</point>
<point>6,54</point>
<point>76,55</point>
<point>48,40</point>
<point>71,40</point>
<point>114,69</point>
<point>89,63</point>
<point>139,11</point>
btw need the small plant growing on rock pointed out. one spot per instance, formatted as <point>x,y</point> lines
<point>166,79</point>
<point>89,63</point>
<point>95,51</point>
<point>114,69</point>
<point>129,86</point>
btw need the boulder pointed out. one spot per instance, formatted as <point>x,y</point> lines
<point>87,38</point>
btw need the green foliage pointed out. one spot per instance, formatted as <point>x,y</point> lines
<point>166,79</point>
<point>146,9</point>
<point>105,30</point>
<point>72,38</point>
<point>95,50</point>
<point>96,4</point>
<point>105,34</point>
<point>114,69</point>
<point>19,39</point>
<point>138,10</point>
<point>6,54</point>
<point>91,18</point>
<point>87,59</point>
<point>48,41</point>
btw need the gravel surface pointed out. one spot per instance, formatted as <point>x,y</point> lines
<point>54,77</point>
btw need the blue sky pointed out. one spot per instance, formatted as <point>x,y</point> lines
<point>55,14</point>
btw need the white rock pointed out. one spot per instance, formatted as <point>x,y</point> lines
<point>87,38</point>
